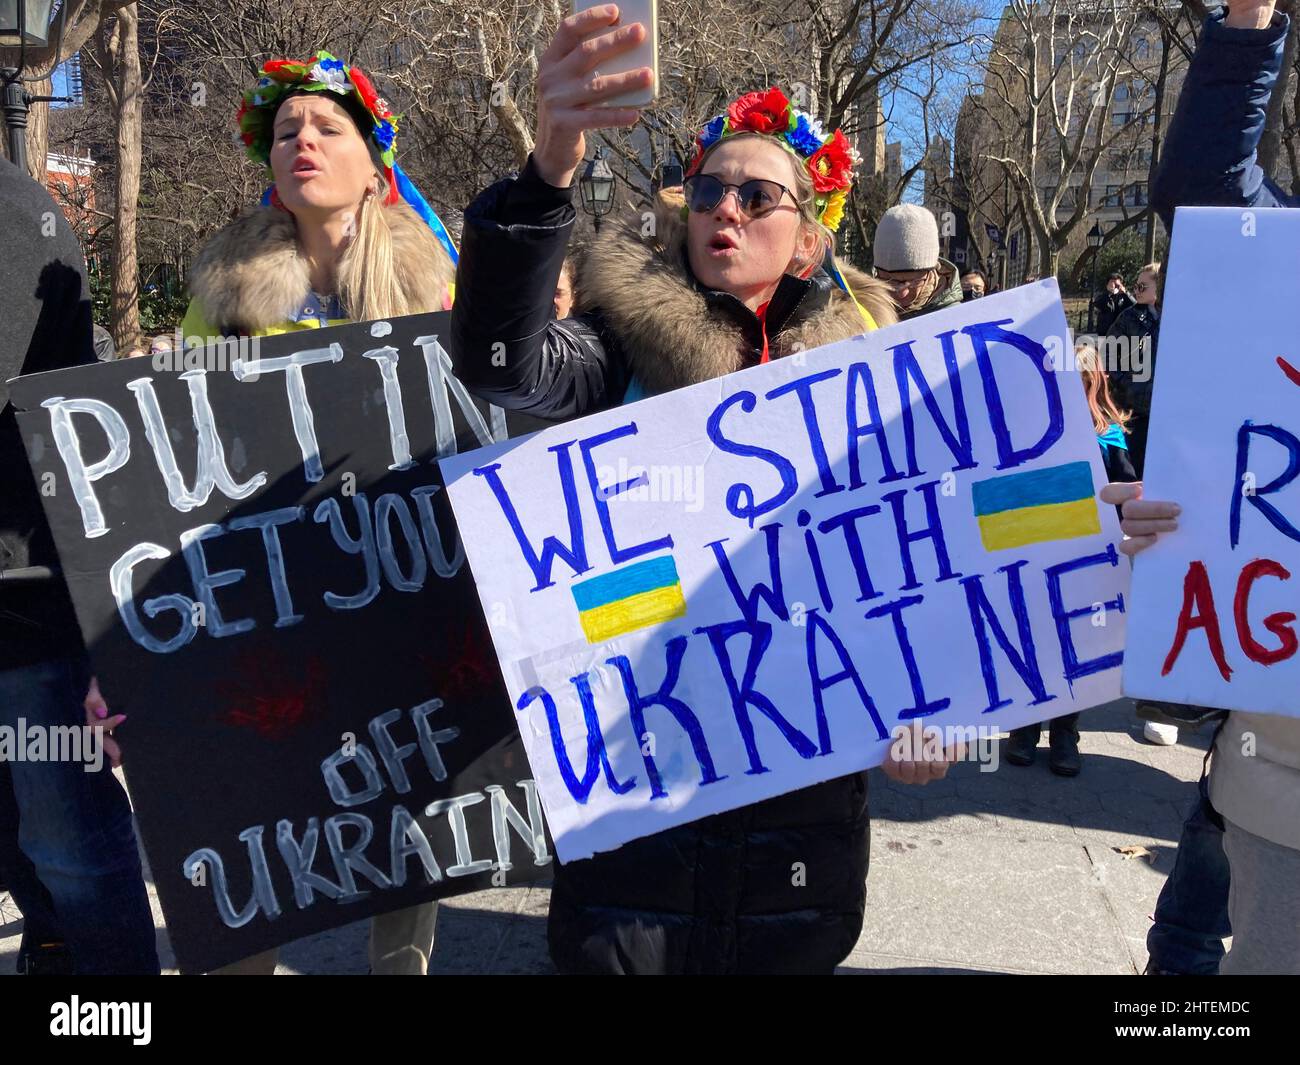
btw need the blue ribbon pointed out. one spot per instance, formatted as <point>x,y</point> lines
<point>411,195</point>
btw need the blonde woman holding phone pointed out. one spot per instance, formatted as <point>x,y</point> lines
<point>731,276</point>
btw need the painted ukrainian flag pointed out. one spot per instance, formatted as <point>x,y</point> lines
<point>630,598</point>
<point>1056,503</point>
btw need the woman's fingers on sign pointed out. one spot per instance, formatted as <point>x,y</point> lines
<point>916,757</point>
<point>1140,519</point>
<point>1118,492</point>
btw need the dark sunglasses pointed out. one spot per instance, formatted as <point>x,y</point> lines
<point>756,196</point>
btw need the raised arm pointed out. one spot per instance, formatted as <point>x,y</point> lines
<point>506,346</point>
<point>1209,156</point>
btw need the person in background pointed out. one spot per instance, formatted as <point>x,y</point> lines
<point>1108,305</point>
<point>564,289</point>
<point>67,843</point>
<point>105,349</point>
<point>160,344</point>
<point>973,285</point>
<point>1210,159</point>
<point>1108,422</point>
<point>905,252</point>
<point>1029,279</point>
<point>1138,328</point>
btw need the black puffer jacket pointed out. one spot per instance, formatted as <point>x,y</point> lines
<point>1108,306</point>
<point>1139,327</point>
<point>776,887</point>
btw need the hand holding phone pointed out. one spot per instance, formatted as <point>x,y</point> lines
<point>645,54</point>
<point>576,81</point>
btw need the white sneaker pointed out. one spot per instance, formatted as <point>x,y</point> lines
<point>1164,735</point>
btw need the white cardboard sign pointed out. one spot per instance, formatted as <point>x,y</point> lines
<point>741,588</point>
<point>1214,604</point>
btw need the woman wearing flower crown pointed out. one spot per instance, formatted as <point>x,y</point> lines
<point>731,274</point>
<point>342,235</point>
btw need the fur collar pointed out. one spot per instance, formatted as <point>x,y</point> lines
<point>251,275</point>
<point>676,333</point>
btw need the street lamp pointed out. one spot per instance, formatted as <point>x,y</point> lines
<point>596,187</point>
<point>26,24</point>
<point>1095,237</point>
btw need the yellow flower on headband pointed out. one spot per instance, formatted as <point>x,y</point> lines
<point>833,213</point>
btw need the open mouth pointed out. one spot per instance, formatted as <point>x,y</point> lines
<point>305,166</point>
<point>721,244</point>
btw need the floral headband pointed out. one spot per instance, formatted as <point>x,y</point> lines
<point>830,159</point>
<point>323,73</point>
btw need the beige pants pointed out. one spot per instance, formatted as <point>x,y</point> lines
<point>400,945</point>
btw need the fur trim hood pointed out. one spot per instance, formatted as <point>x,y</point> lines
<point>675,333</point>
<point>252,275</point>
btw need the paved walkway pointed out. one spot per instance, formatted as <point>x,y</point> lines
<point>1012,871</point>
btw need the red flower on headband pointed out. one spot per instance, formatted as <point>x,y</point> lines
<point>279,69</point>
<point>831,165</point>
<point>760,112</point>
<point>365,90</point>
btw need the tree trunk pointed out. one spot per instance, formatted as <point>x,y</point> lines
<point>38,128</point>
<point>1270,143</point>
<point>1162,80</point>
<point>124,47</point>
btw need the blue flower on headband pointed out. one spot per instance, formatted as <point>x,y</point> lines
<point>331,64</point>
<point>713,131</point>
<point>803,138</point>
<point>384,134</point>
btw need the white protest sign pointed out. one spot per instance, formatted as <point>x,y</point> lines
<point>1214,603</point>
<point>741,588</point>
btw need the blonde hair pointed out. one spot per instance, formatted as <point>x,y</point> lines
<point>1101,404</point>
<point>368,285</point>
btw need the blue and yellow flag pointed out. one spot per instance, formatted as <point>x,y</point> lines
<point>1056,503</point>
<point>645,593</point>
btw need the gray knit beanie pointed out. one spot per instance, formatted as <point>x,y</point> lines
<point>907,238</point>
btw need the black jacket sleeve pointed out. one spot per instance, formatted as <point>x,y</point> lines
<point>507,346</point>
<point>1209,156</point>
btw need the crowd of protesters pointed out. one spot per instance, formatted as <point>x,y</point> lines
<point>739,269</point>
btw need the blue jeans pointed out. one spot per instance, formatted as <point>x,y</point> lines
<point>66,837</point>
<point>1191,919</point>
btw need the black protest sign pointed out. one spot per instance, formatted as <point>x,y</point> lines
<point>271,587</point>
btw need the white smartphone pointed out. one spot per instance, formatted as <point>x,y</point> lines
<point>646,54</point>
